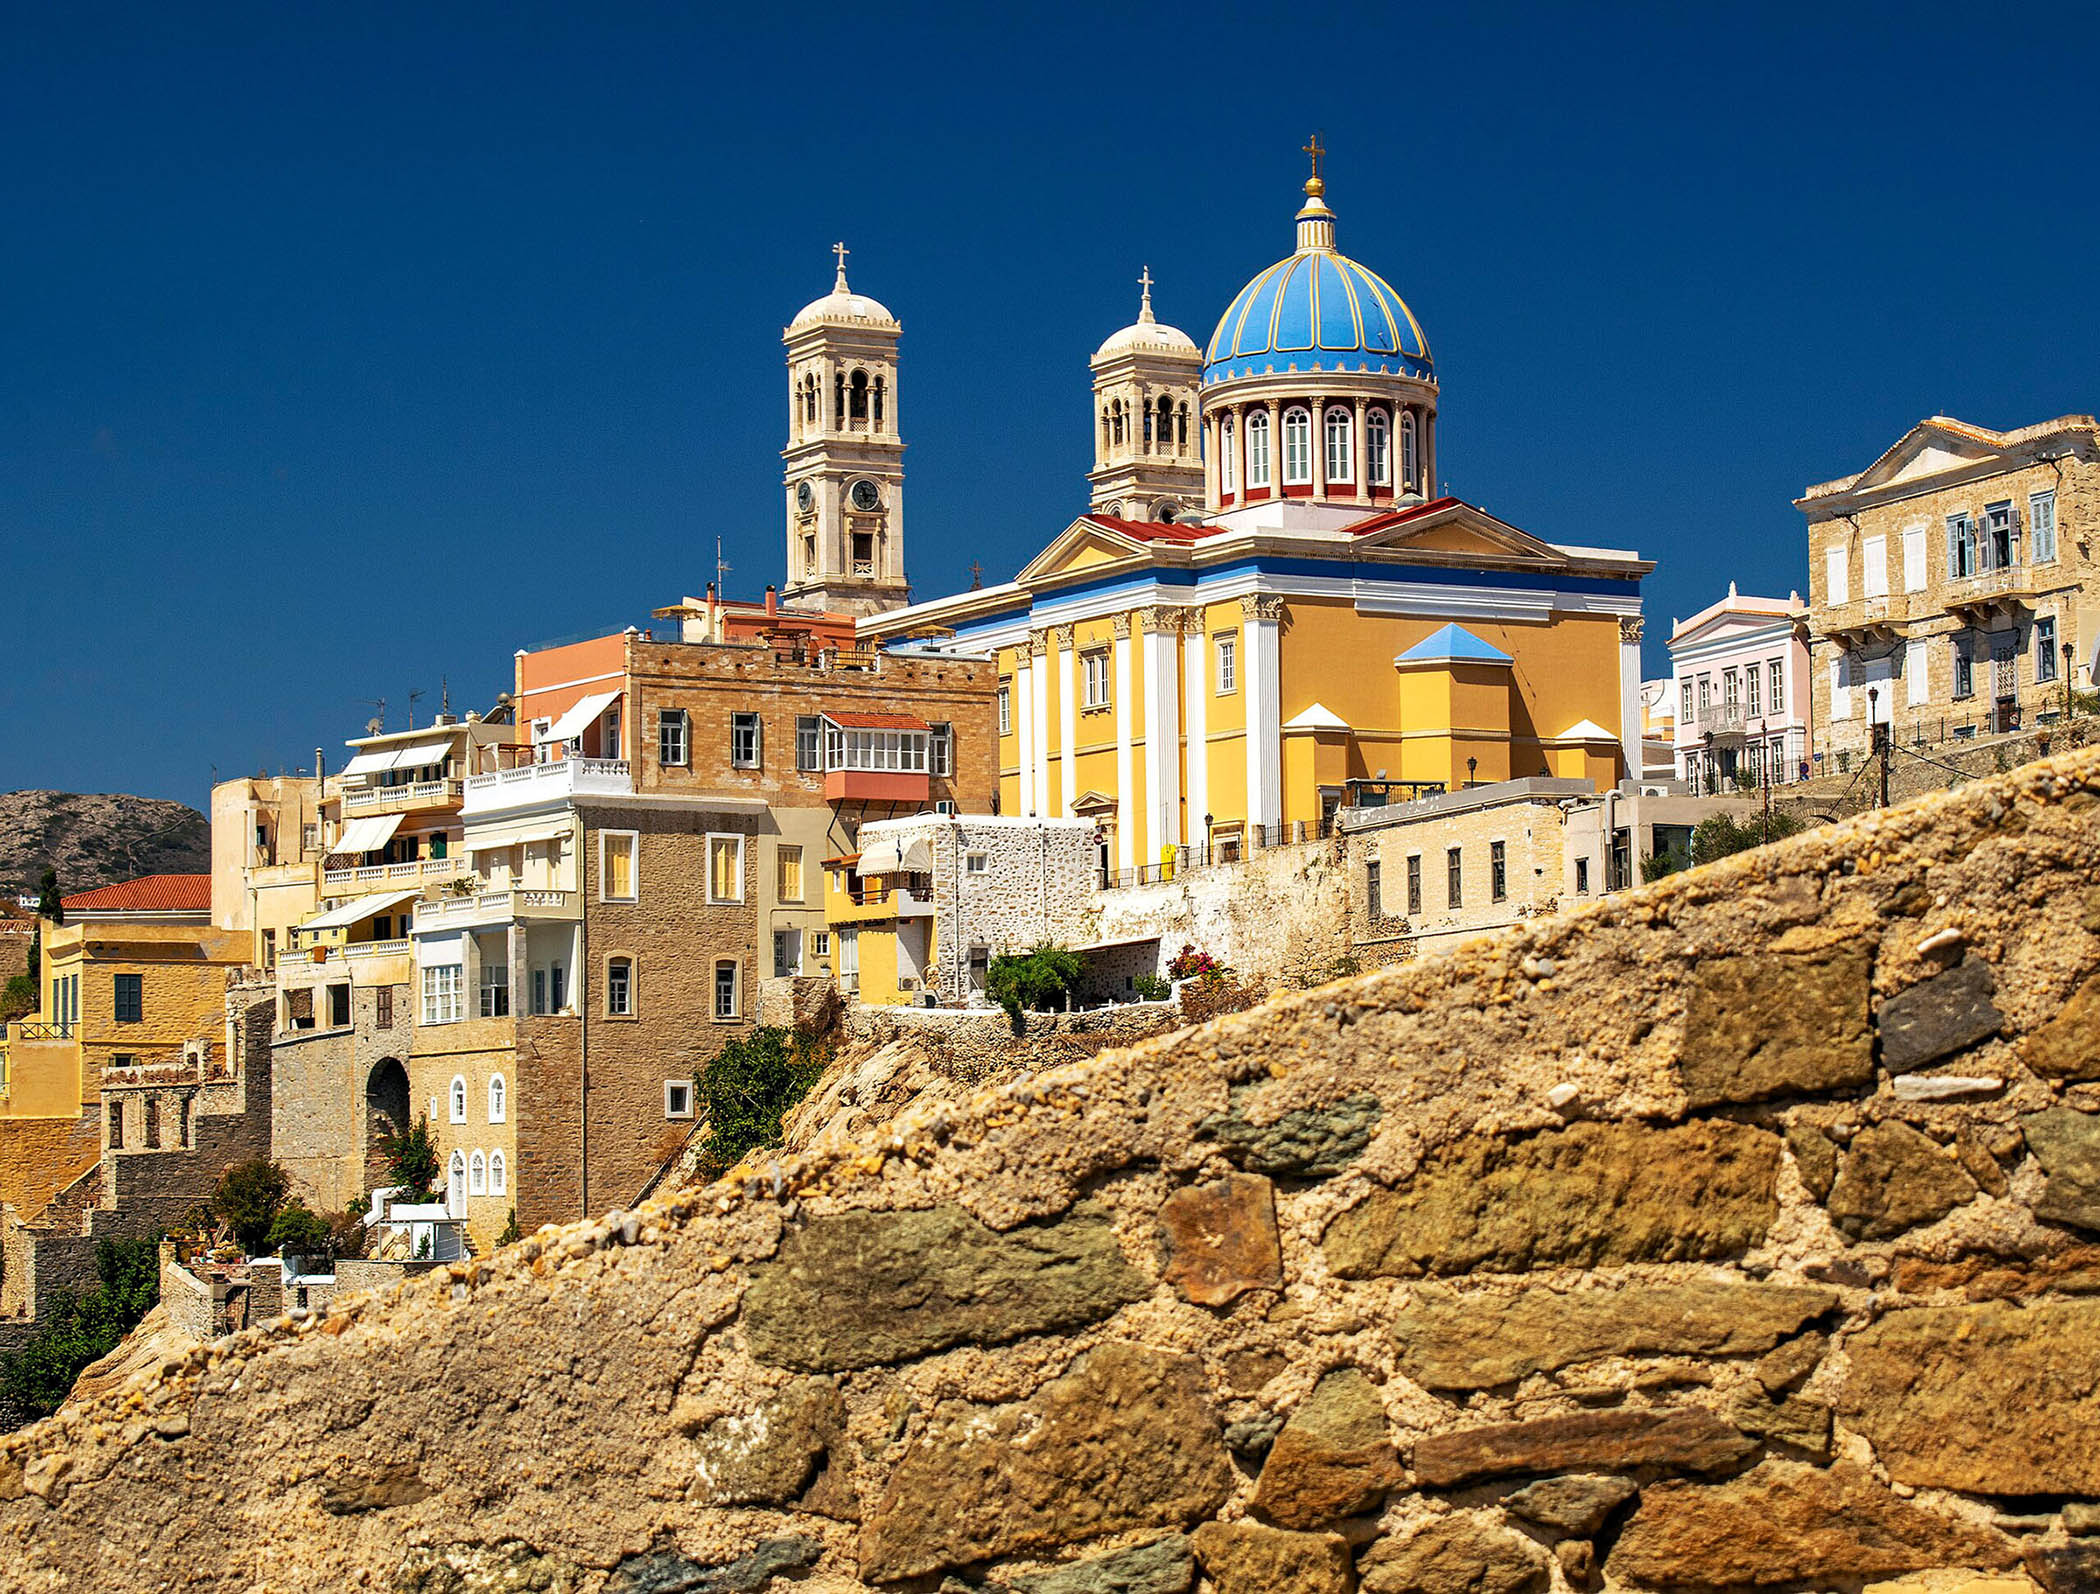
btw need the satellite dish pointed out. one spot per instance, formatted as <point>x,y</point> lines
<point>374,726</point>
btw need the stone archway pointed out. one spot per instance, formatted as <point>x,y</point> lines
<point>386,1111</point>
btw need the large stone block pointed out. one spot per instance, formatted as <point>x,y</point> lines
<point>1679,1439</point>
<point>1125,1440</point>
<point>1892,1178</point>
<point>1937,1017</point>
<point>1996,1398</point>
<point>1478,1341</point>
<point>777,1453</point>
<point>1304,1143</point>
<point>1248,1558</point>
<point>1784,1522</point>
<point>1589,1195</point>
<point>2068,1046</point>
<point>1771,1024</point>
<point>1165,1566</point>
<point>1334,1458</point>
<point>856,1289</point>
<point>2067,1145</point>
<point>1578,1504</point>
<point>1220,1239</point>
<point>1456,1554</point>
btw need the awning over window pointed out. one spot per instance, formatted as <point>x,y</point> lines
<point>489,838</point>
<point>886,856</point>
<point>358,909</point>
<point>367,835</point>
<point>410,755</point>
<point>578,718</point>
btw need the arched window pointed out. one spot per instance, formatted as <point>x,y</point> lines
<point>1409,453</point>
<point>1145,423</point>
<point>1116,409</point>
<point>878,404</point>
<point>459,1099</point>
<point>857,397</point>
<point>456,1185</point>
<point>1228,464</point>
<point>1104,427</point>
<point>1340,445</point>
<point>1258,449</point>
<point>838,402</point>
<point>1378,449</point>
<point>1297,447</point>
<point>497,1104</point>
<point>1181,430</point>
<point>477,1175</point>
<point>499,1174</point>
<point>1164,434</point>
<point>809,399</point>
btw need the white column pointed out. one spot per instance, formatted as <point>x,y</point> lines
<point>1319,447</point>
<point>1024,728</point>
<point>1067,716</point>
<point>1195,677</point>
<point>1261,660</point>
<point>1128,819</point>
<point>1361,462</point>
<point>1162,734</point>
<point>1207,433</point>
<point>1040,714</point>
<point>1630,693</point>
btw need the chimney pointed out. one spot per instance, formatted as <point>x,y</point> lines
<point>772,600</point>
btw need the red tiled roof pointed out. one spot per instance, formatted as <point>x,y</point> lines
<point>168,893</point>
<point>879,722</point>
<point>1400,517</point>
<point>1152,530</point>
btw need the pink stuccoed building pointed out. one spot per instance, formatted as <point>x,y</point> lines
<point>1740,684</point>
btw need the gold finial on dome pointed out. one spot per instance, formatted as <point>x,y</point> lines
<point>1314,187</point>
<point>1315,220</point>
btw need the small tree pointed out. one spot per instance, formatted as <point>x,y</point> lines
<point>411,1157</point>
<point>746,1089</point>
<point>49,904</point>
<point>248,1198</point>
<point>1037,981</point>
<point>83,1327</point>
<point>300,1230</point>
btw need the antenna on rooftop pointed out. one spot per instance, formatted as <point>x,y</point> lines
<point>414,692</point>
<point>721,572</point>
<point>377,722</point>
<point>444,694</point>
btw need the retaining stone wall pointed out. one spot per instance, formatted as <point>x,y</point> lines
<point>1740,1231</point>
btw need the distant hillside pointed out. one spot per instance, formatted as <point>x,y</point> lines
<point>93,839</point>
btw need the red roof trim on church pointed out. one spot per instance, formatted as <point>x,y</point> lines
<point>1151,530</point>
<point>1400,517</point>
<point>168,893</point>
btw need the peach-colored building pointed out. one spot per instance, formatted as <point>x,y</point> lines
<point>1741,690</point>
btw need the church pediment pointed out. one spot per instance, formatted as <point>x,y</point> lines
<point>1931,448</point>
<point>1454,532</point>
<point>1088,544</point>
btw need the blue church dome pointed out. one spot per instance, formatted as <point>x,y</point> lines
<point>1317,307</point>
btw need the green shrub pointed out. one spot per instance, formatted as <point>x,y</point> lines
<point>18,996</point>
<point>248,1198</point>
<point>1722,837</point>
<point>411,1158</point>
<point>1152,987</point>
<point>83,1327</point>
<point>301,1231</point>
<point>747,1088</point>
<point>1037,981</point>
<point>510,1235</point>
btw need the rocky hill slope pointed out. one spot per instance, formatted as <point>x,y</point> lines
<point>1734,1232</point>
<point>94,839</point>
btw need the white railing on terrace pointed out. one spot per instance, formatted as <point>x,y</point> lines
<point>376,949</point>
<point>386,874</point>
<point>529,783</point>
<point>486,907</point>
<point>415,795</point>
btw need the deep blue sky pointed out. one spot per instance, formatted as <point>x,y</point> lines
<point>344,349</point>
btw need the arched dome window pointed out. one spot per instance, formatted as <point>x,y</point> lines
<point>1378,449</point>
<point>809,400</point>
<point>477,1175</point>
<point>456,1185</point>
<point>1104,426</point>
<point>1410,452</point>
<point>1228,460</point>
<point>1297,447</point>
<point>1258,449</point>
<point>1341,467</point>
<point>1144,411</point>
<point>838,402</point>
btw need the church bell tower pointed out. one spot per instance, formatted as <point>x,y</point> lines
<point>844,475</point>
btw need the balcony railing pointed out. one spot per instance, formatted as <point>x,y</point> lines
<point>2009,585</point>
<point>533,783</point>
<point>490,907</point>
<point>375,876</point>
<point>38,1030</point>
<point>421,794</point>
<point>377,949</point>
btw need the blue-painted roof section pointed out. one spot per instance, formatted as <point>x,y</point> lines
<point>1454,642</point>
<point>1317,308</point>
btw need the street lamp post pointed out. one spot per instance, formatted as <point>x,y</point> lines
<point>2067,683</point>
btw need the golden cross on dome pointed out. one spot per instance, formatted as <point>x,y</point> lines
<point>1315,150</point>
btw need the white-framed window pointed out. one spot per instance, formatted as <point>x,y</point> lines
<point>728,989</point>
<point>1006,709</point>
<point>745,738</point>
<point>499,1174</point>
<point>1378,448</point>
<point>1874,567</point>
<point>1228,472</point>
<point>976,863</point>
<point>442,993</point>
<point>1410,452</point>
<point>787,953</point>
<point>616,865</point>
<point>1093,679</point>
<point>1914,558</point>
<point>1837,582</point>
<point>1227,648</point>
<point>819,944</point>
<point>1258,449</point>
<point>457,1098</point>
<point>1916,678</point>
<point>1840,693</point>
<point>725,868</point>
<point>900,752</point>
<point>940,749</point>
<point>1340,440</point>
<point>809,742</point>
<point>499,1104</point>
<point>2041,527</point>
<point>1962,549</point>
<point>787,873</point>
<point>1775,675</point>
<point>456,1184</point>
<point>477,1174</point>
<point>619,987</point>
<point>1753,694</point>
<point>1297,447</point>
<point>2044,648</point>
<point>495,989</point>
<point>1731,690</point>
<point>672,741</point>
<point>678,1098</point>
<point>1684,701</point>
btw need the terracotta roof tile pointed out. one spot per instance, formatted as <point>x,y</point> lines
<point>169,893</point>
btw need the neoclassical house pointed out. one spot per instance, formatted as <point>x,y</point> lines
<point>1325,628</point>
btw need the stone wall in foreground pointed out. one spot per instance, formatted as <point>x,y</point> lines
<point>1735,1232</point>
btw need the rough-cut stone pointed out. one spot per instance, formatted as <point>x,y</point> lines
<point>1892,1178</point>
<point>2067,1145</point>
<point>1456,1554</point>
<point>1796,1421</point>
<point>668,1572</point>
<point>1815,1156</point>
<point>1593,1194</point>
<point>1220,1239</point>
<point>2068,1046</point>
<point>1944,1087</point>
<point>1938,1017</point>
<point>777,1453</point>
<point>1681,1439</point>
<point>855,1289</point>
<point>1479,1341</point>
<point>1770,1025</point>
<point>1248,1558</point>
<point>2066,1568</point>
<point>1125,1440</point>
<point>2075,1271</point>
<point>1998,1399</point>
<point>1577,1504</point>
<point>1783,1522</point>
<point>1578,1561</point>
<point>2082,1517</point>
<point>396,1485</point>
<point>1790,1364</point>
<point>1304,1143</point>
<point>1165,1566</point>
<point>1334,1458</point>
